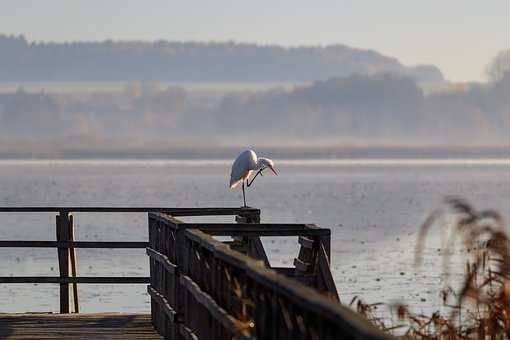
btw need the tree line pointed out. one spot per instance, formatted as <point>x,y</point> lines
<point>377,108</point>
<point>21,60</point>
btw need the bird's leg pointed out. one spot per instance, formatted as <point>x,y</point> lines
<point>244,196</point>
<point>250,182</point>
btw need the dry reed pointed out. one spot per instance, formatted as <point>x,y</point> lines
<point>481,307</point>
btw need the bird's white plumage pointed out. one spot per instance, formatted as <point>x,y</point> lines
<point>242,167</point>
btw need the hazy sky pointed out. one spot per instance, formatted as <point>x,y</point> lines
<point>459,36</point>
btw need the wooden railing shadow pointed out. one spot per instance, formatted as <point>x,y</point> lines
<point>202,288</point>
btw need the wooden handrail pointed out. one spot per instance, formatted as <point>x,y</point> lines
<point>219,291</point>
<point>351,324</point>
<point>166,210</point>
<point>76,279</point>
<point>74,244</point>
<point>227,320</point>
<point>163,259</point>
<point>168,310</point>
<point>66,245</point>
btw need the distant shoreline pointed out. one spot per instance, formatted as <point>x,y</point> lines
<point>301,163</point>
<point>98,152</point>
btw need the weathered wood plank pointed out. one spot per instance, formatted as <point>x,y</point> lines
<point>77,326</point>
<point>163,259</point>
<point>228,321</point>
<point>172,211</point>
<point>326,273</point>
<point>306,242</point>
<point>73,260</point>
<point>287,271</point>
<point>292,296</point>
<point>62,221</point>
<point>255,226</point>
<point>163,302</point>
<point>301,266</point>
<point>78,279</point>
<point>257,231</point>
<point>72,244</point>
<point>352,323</point>
<point>258,251</point>
<point>251,229</point>
<point>253,245</point>
<point>187,333</point>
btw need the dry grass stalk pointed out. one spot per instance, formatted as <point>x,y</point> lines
<point>484,296</point>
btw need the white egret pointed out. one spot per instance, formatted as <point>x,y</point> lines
<point>244,165</point>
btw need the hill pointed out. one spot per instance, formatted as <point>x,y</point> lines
<point>22,60</point>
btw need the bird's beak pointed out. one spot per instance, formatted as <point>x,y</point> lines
<point>273,170</point>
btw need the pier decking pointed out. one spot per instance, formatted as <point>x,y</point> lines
<point>40,326</point>
<point>200,287</point>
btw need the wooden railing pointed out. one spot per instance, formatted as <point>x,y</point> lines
<point>202,288</point>
<point>66,245</point>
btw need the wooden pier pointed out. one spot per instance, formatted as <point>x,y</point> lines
<point>200,288</point>
<point>77,326</point>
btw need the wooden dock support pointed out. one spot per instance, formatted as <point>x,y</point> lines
<point>66,261</point>
<point>72,257</point>
<point>251,246</point>
<point>63,259</point>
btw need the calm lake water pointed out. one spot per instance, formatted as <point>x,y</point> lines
<point>374,209</point>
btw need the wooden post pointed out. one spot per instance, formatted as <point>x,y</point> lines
<point>182,261</point>
<point>252,245</point>
<point>72,253</point>
<point>326,243</point>
<point>63,259</point>
<point>152,266</point>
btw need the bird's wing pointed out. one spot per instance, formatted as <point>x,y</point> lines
<point>234,183</point>
<point>242,167</point>
<point>236,175</point>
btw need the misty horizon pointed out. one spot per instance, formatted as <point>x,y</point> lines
<point>323,96</point>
